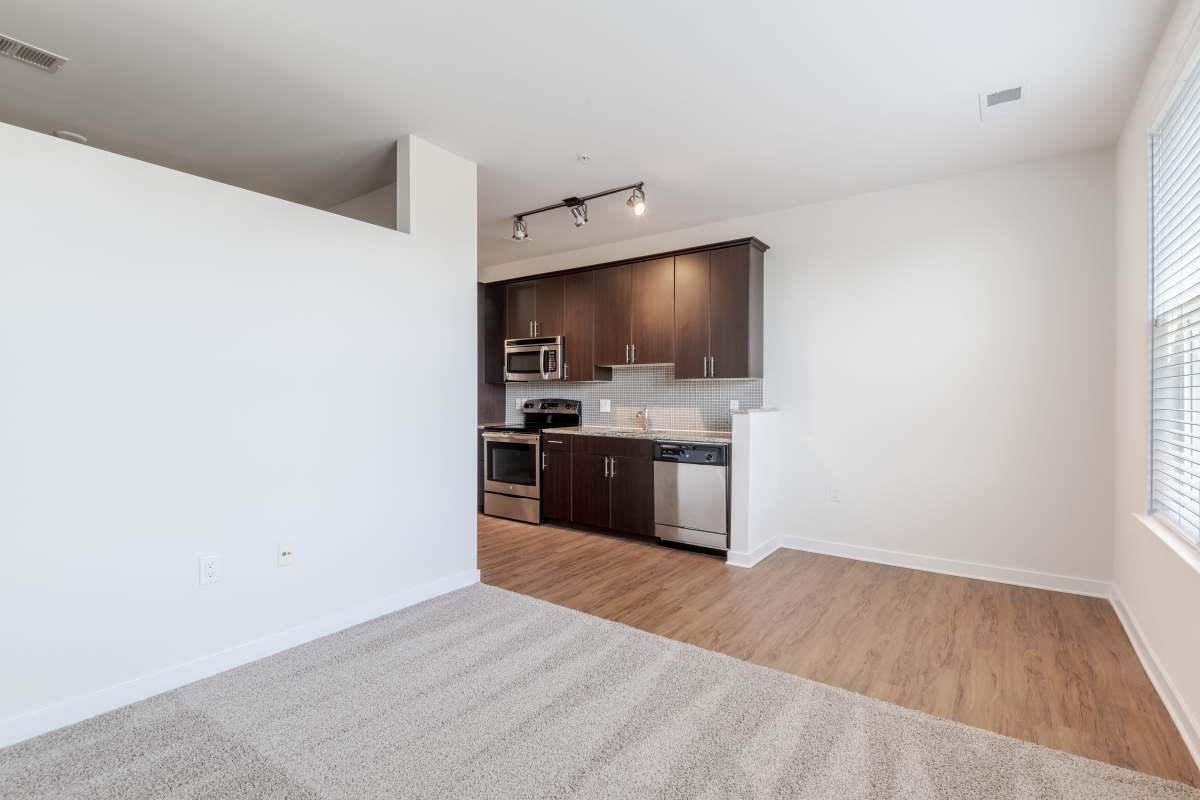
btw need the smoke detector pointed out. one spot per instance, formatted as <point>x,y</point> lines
<point>28,54</point>
<point>1001,102</point>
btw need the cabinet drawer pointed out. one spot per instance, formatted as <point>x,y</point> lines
<point>615,446</point>
<point>556,444</point>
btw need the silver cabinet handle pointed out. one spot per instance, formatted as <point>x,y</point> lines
<point>704,362</point>
<point>606,466</point>
<point>633,347</point>
<point>566,371</point>
<point>626,354</point>
<point>612,472</point>
<point>712,367</point>
<point>535,327</point>
<point>543,460</point>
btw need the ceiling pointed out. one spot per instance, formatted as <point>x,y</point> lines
<point>723,109</point>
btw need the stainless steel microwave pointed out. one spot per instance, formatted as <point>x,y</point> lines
<point>539,359</point>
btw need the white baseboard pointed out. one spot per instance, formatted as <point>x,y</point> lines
<point>1185,720</point>
<point>738,558</point>
<point>75,709</point>
<point>947,566</point>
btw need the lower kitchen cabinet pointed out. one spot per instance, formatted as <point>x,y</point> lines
<point>632,496</point>
<point>612,484</point>
<point>589,489</point>
<point>556,485</point>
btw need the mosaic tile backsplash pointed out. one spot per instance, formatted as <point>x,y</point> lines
<point>691,405</point>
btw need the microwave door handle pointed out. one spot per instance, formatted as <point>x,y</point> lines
<point>545,374</point>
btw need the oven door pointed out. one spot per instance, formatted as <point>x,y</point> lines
<point>512,464</point>
<point>533,359</point>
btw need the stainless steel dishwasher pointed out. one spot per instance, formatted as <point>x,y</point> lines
<point>691,493</point>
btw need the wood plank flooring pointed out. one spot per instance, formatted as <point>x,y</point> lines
<point>1051,668</point>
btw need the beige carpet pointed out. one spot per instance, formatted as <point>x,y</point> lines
<point>484,693</point>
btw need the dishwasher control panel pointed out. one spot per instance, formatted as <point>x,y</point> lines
<point>716,455</point>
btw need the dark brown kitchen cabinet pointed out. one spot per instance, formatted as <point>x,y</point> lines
<point>718,313</point>
<point>632,509</point>
<point>549,318</point>
<point>691,315</point>
<point>521,309</point>
<point>634,313</point>
<point>612,484</point>
<point>652,312</point>
<point>590,489</point>
<point>556,484</point>
<point>613,287</point>
<point>579,363</point>
<point>535,308</point>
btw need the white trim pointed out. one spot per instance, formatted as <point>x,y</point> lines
<point>81,707</point>
<point>1179,544</point>
<point>737,558</point>
<point>948,566</point>
<point>1185,720</point>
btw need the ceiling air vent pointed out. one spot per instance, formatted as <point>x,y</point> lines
<point>1000,102</point>
<point>28,54</point>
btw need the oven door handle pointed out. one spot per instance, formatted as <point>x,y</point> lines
<point>519,438</point>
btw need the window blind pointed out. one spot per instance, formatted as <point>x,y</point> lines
<point>1175,311</point>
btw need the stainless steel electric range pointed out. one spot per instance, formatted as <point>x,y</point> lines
<point>512,459</point>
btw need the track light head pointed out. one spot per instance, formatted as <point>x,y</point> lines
<point>579,212</point>
<point>637,201</point>
<point>520,232</point>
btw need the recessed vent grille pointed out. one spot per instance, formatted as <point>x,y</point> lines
<point>1005,96</point>
<point>1001,102</point>
<point>28,54</point>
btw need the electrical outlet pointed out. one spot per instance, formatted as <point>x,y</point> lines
<point>734,405</point>
<point>606,406</point>
<point>210,569</point>
<point>286,555</point>
<point>835,495</point>
<point>518,404</point>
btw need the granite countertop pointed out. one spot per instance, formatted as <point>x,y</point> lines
<point>713,437</point>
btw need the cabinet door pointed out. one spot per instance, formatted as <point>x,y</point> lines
<point>556,485</point>
<point>491,344</point>
<point>589,490</point>
<point>612,315</point>
<point>549,310</point>
<point>522,307</point>
<point>729,313</point>
<point>633,496</point>
<point>652,312</point>
<point>691,315</point>
<point>577,327</point>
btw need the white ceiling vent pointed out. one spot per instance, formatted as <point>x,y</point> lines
<point>1001,102</point>
<point>28,54</point>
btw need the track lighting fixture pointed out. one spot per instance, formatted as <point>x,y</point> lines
<point>578,208</point>
<point>637,201</point>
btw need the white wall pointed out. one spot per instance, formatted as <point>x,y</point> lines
<point>377,207</point>
<point>1156,576</point>
<point>942,357</point>
<point>192,369</point>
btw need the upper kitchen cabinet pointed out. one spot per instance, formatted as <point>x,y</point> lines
<point>613,288</point>
<point>535,308</point>
<point>718,312</point>
<point>634,312</point>
<point>652,313</point>
<point>579,363</point>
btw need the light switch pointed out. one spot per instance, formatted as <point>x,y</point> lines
<point>606,406</point>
